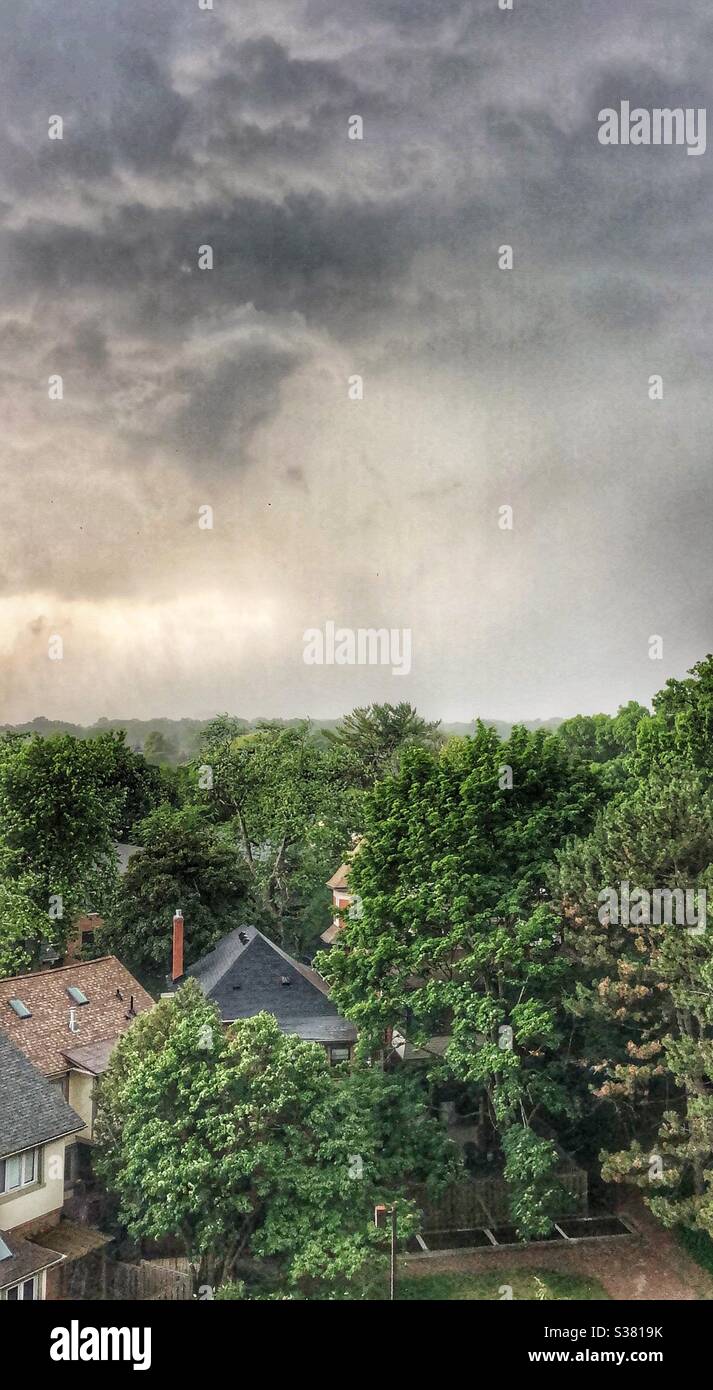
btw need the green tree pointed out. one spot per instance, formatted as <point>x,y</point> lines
<point>185,863</point>
<point>378,734</point>
<point>58,815</point>
<point>23,925</point>
<point>133,784</point>
<point>681,730</point>
<point>160,748</point>
<point>456,934</point>
<point>245,1142</point>
<point>644,996</point>
<point>600,738</point>
<point>292,807</point>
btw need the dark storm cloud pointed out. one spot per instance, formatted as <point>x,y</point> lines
<point>226,403</point>
<point>229,128</point>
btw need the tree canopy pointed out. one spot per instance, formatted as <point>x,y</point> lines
<point>245,1141</point>
<point>185,862</point>
<point>456,935</point>
<point>377,735</point>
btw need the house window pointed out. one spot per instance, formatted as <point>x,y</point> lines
<point>19,1171</point>
<point>62,1084</point>
<point>71,1163</point>
<point>339,1054</point>
<point>29,1288</point>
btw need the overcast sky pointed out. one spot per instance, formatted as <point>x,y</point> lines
<point>483,388</point>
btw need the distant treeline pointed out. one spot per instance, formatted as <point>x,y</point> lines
<point>177,740</point>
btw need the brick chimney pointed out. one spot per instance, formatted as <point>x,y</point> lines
<point>177,953</point>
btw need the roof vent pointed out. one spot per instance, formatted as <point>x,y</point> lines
<point>243,936</point>
<point>119,995</point>
<point>19,1008</point>
<point>73,1025</point>
<point>285,981</point>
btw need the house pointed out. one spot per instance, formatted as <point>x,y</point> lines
<point>67,1021</point>
<point>341,899</point>
<point>36,1125</point>
<point>247,974</point>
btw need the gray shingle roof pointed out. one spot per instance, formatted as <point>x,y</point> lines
<point>245,977</point>
<point>32,1110</point>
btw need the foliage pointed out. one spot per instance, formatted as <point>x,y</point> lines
<point>58,816</point>
<point>646,996</point>
<point>377,735</point>
<point>681,731</point>
<point>292,806</point>
<point>600,738</point>
<point>243,1141</point>
<point>455,934</point>
<point>187,863</point>
<point>698,1245</point>
<point>138,787</point>
<point>22,925</point>
<point>160,748</point>
<point>537,1196</point>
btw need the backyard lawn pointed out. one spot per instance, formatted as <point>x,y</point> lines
<point>528,1284</point>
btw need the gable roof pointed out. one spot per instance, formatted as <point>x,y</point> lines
<point>45,1037</point>
<point>32,1110</point>
<point>244,976</point>
<point>341,878</point>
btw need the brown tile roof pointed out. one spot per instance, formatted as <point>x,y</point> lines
<point>94,1057</point>
<point>45,1037</point>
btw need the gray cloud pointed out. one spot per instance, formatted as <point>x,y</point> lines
<point>380,257</point>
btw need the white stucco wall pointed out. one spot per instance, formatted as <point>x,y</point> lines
<point>40,1199</point>
<point>81,1091</point>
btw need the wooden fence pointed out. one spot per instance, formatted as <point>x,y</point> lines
<point>95,1276</point>
<point>485,1201</point>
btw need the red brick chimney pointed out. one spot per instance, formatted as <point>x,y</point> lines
<point>177,954</point>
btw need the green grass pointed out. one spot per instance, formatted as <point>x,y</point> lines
<point>530,1285</point>
<point>699,1246</point>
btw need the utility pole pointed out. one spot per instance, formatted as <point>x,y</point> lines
<point>380,1214</point>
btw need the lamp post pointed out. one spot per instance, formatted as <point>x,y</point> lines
<point>380,1214</point>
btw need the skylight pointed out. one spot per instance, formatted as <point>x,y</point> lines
<point>76,995</point>
<point>19,1008</point>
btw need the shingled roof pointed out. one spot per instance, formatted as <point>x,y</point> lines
<point>45,1037</point>
<point>21,1259</point>
<point>247,974</point>
<point>341,878</point>
<point>32,1110</point>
